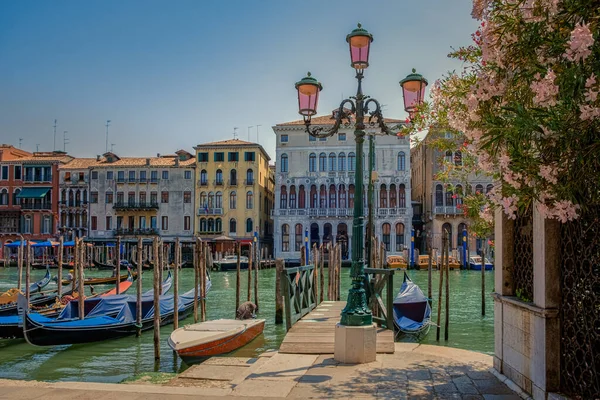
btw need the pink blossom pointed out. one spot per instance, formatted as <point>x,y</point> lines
<point>591,95</point>
<point>549,173</point>
<point>510,206</point>
<point>589,112</point>
<point>544,89</point>
<point>547,131</point>
<point>551,6</point>
<point>563,210</point>
<point>591,81</point>
<point>580,43</point>
<point>504,160</point>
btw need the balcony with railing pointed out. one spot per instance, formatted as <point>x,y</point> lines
<point>338,212</point>
<point>232,182</point>
<point>249,182</point>
<point>202,183</point>
<point>26,205</point>
<point>135,206</point>
<point>210,211</point>
<point>447,210</point>
<point>136,232</point>
<point>218,182</point>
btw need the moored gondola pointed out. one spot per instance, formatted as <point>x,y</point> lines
<point>412,311</point>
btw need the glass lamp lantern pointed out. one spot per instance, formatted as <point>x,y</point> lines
<point>359,41</point>
<point>413,91</point>
<point>308,96</point>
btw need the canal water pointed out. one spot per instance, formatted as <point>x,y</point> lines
<point>121,359</point>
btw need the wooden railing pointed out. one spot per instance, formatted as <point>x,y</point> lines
<point>376,280</point>
<point>298,293</point>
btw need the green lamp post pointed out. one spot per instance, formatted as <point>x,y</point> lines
<point>356,108</point>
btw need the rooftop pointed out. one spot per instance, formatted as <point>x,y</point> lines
<point>330,120</point>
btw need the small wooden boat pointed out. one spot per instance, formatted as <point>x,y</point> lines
<point>423,262</point>
<point>44,266</point>
<point>102,281</point>
<point>99,265</point>
<point>229,263</point>
<point>475,264</point>
<point>11,295</point>
<point>396,262</point>
<point>145,265</point>
<point>211,338</point>
<point>452,263</point>
<point>412,312</point>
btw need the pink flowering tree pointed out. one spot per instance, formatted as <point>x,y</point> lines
<point>526,104</point>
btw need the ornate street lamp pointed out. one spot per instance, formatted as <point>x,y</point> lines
<point>413,91</point>
<point>356,312</point>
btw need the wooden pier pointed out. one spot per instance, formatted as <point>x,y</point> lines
<point>314,333</point>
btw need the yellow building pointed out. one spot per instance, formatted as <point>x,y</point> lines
<point>234,192</point>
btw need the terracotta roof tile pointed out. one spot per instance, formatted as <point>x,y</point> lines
<point>79,163</point>
<point>141,161</point>
<point>230,142</point>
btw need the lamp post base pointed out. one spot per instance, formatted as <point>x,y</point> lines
<point>355,344</point>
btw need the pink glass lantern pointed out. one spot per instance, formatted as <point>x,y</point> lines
<point>308,95</point>
<point>413,90</point>
<point>359,41</point>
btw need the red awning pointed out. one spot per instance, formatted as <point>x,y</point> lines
<point>245,240</point>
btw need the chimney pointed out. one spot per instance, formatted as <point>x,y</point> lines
<point>98,158</point>
<point>147,161</point>
<point>176,162</point>
<point>157,154</point>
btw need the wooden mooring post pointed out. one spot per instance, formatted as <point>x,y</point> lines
<point>429,268</point>
<point>138,303</point>
<point>61,247</point>
<point>250,273</point>
<point>176,284</point>
<point>157,266</point>
<point>202,273</point>
<point>237,277</point>
<point>197,252</point>
<point>118,265</point>
<point>439,306</point>
<point>447,268</point>
<point>27,275</point>
<point>20,263</point>
<point>256,283</point>
<point>80,249</point>
<point>483,277</point>
<point>279,266</point>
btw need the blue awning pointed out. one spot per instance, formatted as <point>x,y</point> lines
<point>33,193</point>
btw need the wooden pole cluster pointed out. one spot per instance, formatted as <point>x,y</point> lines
<point>138,311</point>
<point>176,284</point>
<point>334,266</point>
<point>27,276</point>
<point>303,260</point>
<point>256,281</point>
<point>118,265</point>
<point>237,277</point>
<point>202,276</point>
<point>20,263</point>
<point>429,268</point>
<point>250,273</point>
<point>279,266</point>
<point>80,250</point>
<point>444,266</point>
<point>197,255</point>
<point>157,266</point>
<point>61,244</point>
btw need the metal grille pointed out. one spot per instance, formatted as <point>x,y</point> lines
<point>523,253</point>
<point>580,308</point>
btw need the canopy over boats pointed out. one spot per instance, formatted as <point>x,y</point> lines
<point>412,312</point>
<point>211,338</point>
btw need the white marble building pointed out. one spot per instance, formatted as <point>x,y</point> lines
<point>314,188</point>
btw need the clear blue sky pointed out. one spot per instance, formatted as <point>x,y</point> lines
<point>172,74</point>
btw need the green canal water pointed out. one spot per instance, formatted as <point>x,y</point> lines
<point>121,359</point>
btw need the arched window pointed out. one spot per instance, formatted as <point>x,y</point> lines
<point>284,163</point>
<point>322,162</point>
<point>386,229</point>
<point>489,188</point>
<point>399,236</point>
<point>401,161</point>
<point>314,235</point>
<point>283,198</point>
<point>301,197</point>
<point>332,161</point>
<point>401,196</point>
<point>313,197</point>
<point>458,158</point>
<point>342,196</point>
<point>232,201</point>
<point>459,194</point>
<point>351,162</point>
<point>219,177</point>
<point>298,237</point>
<point>249,200</point>
<point>27,228</point>
<point>341,162</point>
<point>351,196</point>
<point>232,225</point>
<point>312,162</point>
<point>202,224</point>
<point>383,199</point>
<point>15,199</point>
<point>439,196</point>
<point>332,197</point>
<point>211,199</point>
<point>323,197</point>
<point>249,225</point>
<point>285,237</point>
<point>449,198</point>
<point>85,196</point>
<point>211,225</point>
<point>292,196</point>
<point>449,158</point>
<point>479,189</point>
<point>448,228</point>
<point>327,233</point>
<point>203,200</point>
<point>63,197</point>
<point>3,197</point>
<point>393,196</point>
<point>219,200</point>
<point>203,177</point>
<point>218,225</point>
<point>250,177</point>
<point>233,177</point>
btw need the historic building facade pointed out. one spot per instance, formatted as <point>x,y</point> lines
<point>142,196</point>
<point>314,188</point>
<point>29,193</point>
<point>74,179</point>
<point>234,191</point>
<point>441,207</point>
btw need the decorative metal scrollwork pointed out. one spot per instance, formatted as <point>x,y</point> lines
<point>523,253</point>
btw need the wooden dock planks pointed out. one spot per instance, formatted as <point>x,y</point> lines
<point>314,333</point>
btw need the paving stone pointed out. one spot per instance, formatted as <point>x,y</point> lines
<point>501,397</point>
<point>467,388</point>
<point>288,366</point>
<point>264,388</point>
<point>462,380</point>
<point>492,386</point>
<point>230,361</point>
<point>418,375</point>
<point>472,397</point>
<point>214,372</point>
<point>479,375</point>
<point>445,388</point>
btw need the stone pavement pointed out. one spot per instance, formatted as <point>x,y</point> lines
<point>412,372</point>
